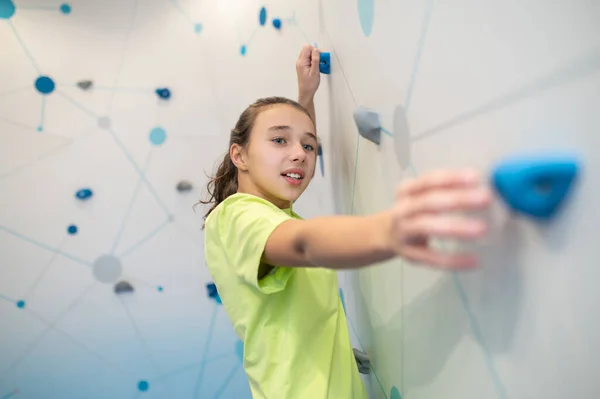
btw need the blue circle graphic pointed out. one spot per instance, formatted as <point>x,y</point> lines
<point>65,8</point>
<point>158,135</point>
<point>44,85</point>
<point>395,394</point>
<point>7,9</point>
<point>366,14</point>
<point>143,386</point>
<point>262,17</point>
<point>21,304</point>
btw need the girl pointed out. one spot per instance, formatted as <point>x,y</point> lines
<point>276,273</point>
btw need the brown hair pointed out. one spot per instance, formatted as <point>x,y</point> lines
<point>224,183</point>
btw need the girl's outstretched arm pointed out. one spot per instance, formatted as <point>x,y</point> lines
<point>419,212</point>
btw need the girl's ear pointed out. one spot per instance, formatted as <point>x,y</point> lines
<point>238,157</point>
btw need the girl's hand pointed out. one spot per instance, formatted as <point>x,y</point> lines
<point>307,69</point>
<point>421,212</point>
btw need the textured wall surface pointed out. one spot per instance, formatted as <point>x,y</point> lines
<point>453,84</point>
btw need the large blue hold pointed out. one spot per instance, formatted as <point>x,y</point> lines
<point>535,185</point>
<point>84,193</point>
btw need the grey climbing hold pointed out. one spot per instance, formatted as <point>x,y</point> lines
<point>368,123</point>
<point>362,361</point>
<point>184,185</point>
<point>85,84</point>
<point>123,287</point>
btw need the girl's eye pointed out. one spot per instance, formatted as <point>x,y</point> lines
<point>309,147</point>
<point>278,140</point>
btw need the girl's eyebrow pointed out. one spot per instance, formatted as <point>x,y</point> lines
<point>285,127</point>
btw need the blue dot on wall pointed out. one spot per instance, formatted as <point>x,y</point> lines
<point>21,304</point>
<point>44,84</point>
<point>160,288</point>
<point>72,229</point>
<point>7,9</point>
<point>243,50</point>
<point>366,14</point>
<point>198,28</point>
<point>395,394</point>
<point>143,386</point>
<point>157,136</point>
<point>262,16</point>
<point>65,8</point>
<point>277,23</point>
<point>239,350</point>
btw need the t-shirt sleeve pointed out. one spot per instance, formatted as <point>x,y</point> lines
<point>244,227</point>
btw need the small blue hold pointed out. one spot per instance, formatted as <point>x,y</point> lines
<point>21,304</point>
<point>277,23</point>
<point>160,288</point>
<point>535,185</point>
<point>262,17</point>
<point>213,293</point>
<point>325,63</point>
<point>72,229</point>
<point>163,93</point>
<point>243,50</point>
<point>84,194</point>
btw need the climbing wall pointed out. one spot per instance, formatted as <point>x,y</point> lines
<point>112,113</point>
<point>512,89</point>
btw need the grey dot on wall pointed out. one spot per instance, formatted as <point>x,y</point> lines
<point>401,135</point>
<point>107,269</point>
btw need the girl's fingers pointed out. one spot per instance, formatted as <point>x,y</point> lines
<point>444,226</point>
<point>439,179</point>
<point>430,258</point>
<point>450,200</point>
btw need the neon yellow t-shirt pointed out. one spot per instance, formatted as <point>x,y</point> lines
<point>292,323</point>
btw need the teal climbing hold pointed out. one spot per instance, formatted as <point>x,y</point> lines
<point>535,185</point>
<point>325,63</point>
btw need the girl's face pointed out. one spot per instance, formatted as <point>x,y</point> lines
<point>279,161</point>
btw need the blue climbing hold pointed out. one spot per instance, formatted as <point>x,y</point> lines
<point>277,23</point>
<point>21,304</point>
<point>262,16</point>
<point>211,288</point>
<point>44,85</point>
<point>72,229</point>
<point>160,288</point>
<point>163,93</point>
<point>198,28</point>
<point>243,50</point>
<point>7,9</point>
<point>535,185</point>
<point>84,194</point>
<point>325,63</point>
<point>395,394</point>
<point>321,162</point>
